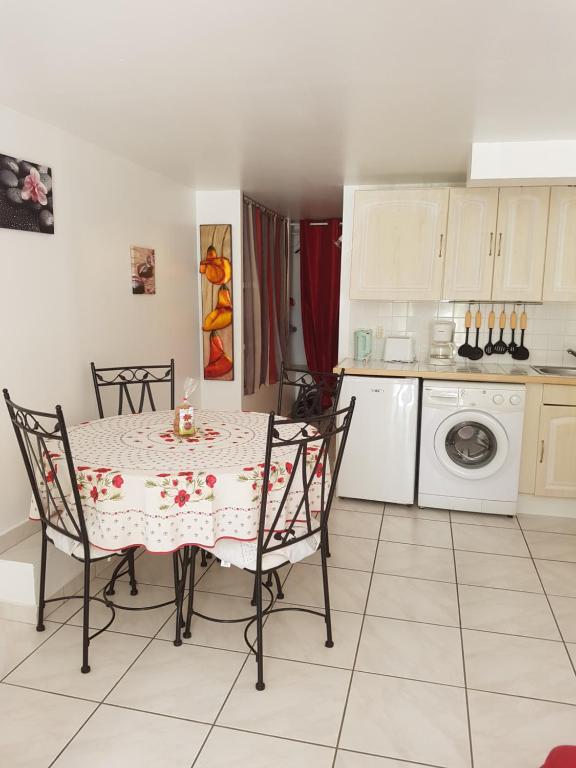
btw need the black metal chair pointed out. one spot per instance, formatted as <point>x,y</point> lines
<point>291,527</point>
<point>137,377</point>
<point>315,391</point>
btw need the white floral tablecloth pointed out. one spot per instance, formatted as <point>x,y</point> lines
<point>141,485</point>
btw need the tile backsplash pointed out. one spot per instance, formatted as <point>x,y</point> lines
<point>551,327</point>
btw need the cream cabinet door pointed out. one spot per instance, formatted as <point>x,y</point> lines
<point>560,267</point>
<point>470,244</point>
<point>556,467</point>
<point>398,244</point>
<point>521,243</point>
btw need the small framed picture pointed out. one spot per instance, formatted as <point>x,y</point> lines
<point>143,270</point>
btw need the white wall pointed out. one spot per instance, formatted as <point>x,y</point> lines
<point>65,299</point>
<point>223,207</point>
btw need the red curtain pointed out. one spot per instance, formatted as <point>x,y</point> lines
<point>320,292</point>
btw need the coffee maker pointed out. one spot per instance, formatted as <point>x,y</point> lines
<point>442,348</point>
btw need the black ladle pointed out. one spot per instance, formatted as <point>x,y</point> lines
<point>476,351</point>
<point>465,349</point>
<point>489,348</point>
<point>500,348</point>
<point>521,352</point>
<point>512,347</point>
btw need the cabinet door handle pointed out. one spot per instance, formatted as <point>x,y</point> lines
<point>441,241</point>
<point>541,451</point>
<point>499,243</point>
<point>491,239</point>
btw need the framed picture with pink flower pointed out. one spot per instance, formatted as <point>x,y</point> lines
<point>26,195</point>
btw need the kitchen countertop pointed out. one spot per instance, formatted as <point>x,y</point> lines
<point>458,371</point>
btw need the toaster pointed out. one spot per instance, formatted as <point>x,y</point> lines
<point>399,349</point>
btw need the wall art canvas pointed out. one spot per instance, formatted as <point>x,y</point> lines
<point>143,270</point>
<point>217,311</point>
<point>26,196</point>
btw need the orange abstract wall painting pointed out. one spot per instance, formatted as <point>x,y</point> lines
<point>217,312</point>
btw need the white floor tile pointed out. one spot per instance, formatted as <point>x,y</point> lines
<point>55,666</point>
<point>123,737</point>
<point>292,689</point>
<point>227,581</point>
<point>18,639</point>
<point>423,513</point>
<point>558,578</point>
<point>145,623</point>
<point>300,636</point>
<point>414,561</point>
<point>189,681</point>
<point>362,525</point>
<point>500,571</point>
<point>35,726</point>
<point>548,523</point>
<point>348,589</point>
<point>496,541</point>
<point>410,649</point>
<point>407,720</point>
<point>395,597</point>
<point>513,613</point>
<point>251,750</point>
<point>519,666</point>
<point>346,759</point>
<point>565,611</point>
<point>516,733</point>
<point>348,552</point>
<point>480,518</point>
<point>552,546</point>
<point>358,505</point>
<point>430,533</point>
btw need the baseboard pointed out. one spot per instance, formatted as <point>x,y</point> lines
<point>543,505</point>
<point>17,534</point>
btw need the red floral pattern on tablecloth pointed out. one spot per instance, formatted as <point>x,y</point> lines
<point>142,485</point>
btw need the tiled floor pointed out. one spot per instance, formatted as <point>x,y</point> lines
<point>455,648</point>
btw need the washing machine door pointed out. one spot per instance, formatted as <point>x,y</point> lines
<point>471,444</point>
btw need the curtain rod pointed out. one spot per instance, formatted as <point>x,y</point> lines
<point>249,201</point>
<point>315,224</point>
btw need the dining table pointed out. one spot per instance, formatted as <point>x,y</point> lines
<point>143,485</point>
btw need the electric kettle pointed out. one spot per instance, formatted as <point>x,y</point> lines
<point>362,343</point>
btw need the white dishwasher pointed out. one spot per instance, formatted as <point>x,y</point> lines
<point>379,461</point>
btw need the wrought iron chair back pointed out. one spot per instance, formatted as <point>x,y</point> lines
<point>140,377</point>
<point>308,486</point>
<point>43,441</point>
<point>312,390</point>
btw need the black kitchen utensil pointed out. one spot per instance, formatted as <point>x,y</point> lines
<point>500,348</point>
<point>465,349</point>
<point>489,348</point>
<point>512,346</point>
<point>521,352</point>
<point>476,351</point>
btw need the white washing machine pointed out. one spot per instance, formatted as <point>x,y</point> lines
<point>470,444</point>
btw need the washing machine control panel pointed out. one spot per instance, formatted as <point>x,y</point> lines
<point>492,399</point>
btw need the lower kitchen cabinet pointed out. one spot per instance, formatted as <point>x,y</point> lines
<point>556,464</point>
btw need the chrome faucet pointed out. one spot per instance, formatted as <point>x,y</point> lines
<point>571,352</point>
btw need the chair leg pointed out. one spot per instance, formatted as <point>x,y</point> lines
<point>259,635</point>
<point>41,597</point>
<point>204,561</point>
<point>190,610</point>
<point>279,593</point>
<point>327,545</point>
<point>323,552</point>
<point>253,601</point>
<point>179,586</point>
<point>86,618</point>
<point>132,573</point>
<point>269,579</point>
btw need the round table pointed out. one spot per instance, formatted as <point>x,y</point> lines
<point>142,485</point>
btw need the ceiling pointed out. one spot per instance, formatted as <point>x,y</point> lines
<point>290,100</point>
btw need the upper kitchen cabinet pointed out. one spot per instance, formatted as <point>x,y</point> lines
<point>560,269</point>
<point>470,244</point>
<point>398,244</point>
<point>520,243</point>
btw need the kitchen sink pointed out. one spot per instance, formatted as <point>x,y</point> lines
<point>555,370</point>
